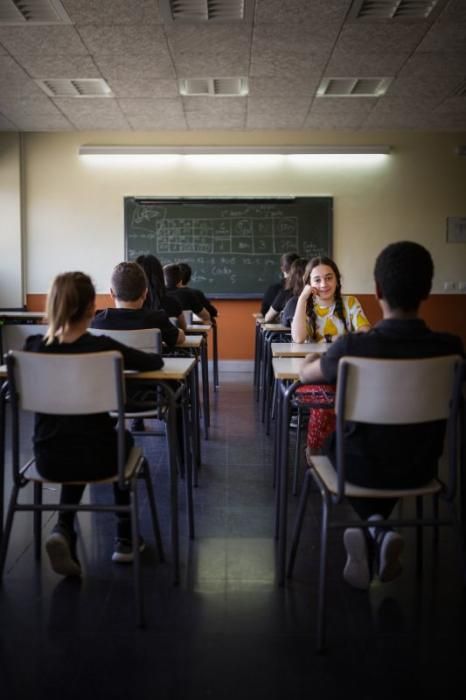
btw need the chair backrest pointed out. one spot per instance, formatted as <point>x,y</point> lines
<point>397,391</point>
<point>14,335</point>
<point>66,384</point>
<point>147,339</point>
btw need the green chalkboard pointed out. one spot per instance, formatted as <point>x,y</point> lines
<point>233,245</point>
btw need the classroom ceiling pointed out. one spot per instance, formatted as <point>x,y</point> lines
<point>383,67</point>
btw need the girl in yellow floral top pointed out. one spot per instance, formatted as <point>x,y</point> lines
<point>322,312</point>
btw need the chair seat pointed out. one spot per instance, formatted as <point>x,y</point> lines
<point>132,464</point>
<point>323,466</point>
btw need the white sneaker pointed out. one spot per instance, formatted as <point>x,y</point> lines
<point>356,571</point>
<point>390,545</point>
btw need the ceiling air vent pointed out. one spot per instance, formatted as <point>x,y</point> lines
<point>395,9</point>
<point>353,87</point>
<point>33,12</point>
<point>76,87</point>
<point>214,87</point>
<point>206,10</point>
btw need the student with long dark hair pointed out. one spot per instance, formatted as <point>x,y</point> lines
<point>157,297</point>
<point>81,447</point>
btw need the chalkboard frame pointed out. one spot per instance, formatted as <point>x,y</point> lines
<point>215,201</point>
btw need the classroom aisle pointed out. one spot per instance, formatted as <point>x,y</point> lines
<point>227,630</point>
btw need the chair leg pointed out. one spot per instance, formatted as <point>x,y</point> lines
<point>322,578</point>
<point>297,453</point>
<point>37,518</point>
<point>298,523</point>
<point>8,525</point>
<point>153,509</point>
<point>419,539</point>
<point>136,555</point>
<point>188,458</point>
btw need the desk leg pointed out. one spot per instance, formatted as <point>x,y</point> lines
<point>188,461</point>
<point>205,388</point>
<point>171,439</point>
<point>196,425</point>
<point>3,393</point>
<point>215,353</point>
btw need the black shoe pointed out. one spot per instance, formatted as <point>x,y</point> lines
<point>61,548</point>
<point>123,550</point>
<point>137,425</point>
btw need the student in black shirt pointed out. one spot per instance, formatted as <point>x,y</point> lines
<point>272,291</point>
<point>290,293</point>
<point>184,295</point>
<point>70,448</point>
<point>186,273</point>
<point>387,456</point>
<point>157,297</point>
<point>129,289</point>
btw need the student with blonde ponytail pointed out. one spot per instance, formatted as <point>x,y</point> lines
<point>73,448</point>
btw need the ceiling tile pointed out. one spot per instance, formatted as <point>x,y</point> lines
<point>359,63</point>
<point>39,40</point>
<point>276,113</point>
<point>140,86</point>
<point>112,11</point>
<point>284,87</point>
<point>14,82</point>
<point>453,105</point>
<point>301,11</point>
<point>6,124</point>
<point>46,66</point>
<point>92,113</point>
<point>154,113</point>
<point>288,52</point>
<point>424,87</point>
<point>204,120</point>
<point>426,65</point>
<point>103,40</point>
<point>212,51</point>
<point>43,122</point>
<point>126,66</point>
<point>380,37</point>
<point>334,121</point>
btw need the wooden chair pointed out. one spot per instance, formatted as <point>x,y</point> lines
<point>75,384</point>
<point>385,392</point>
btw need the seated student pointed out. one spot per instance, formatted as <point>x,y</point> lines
<point>323,313</point>
<point>186,273</point>
<point>129,289</point>
<point>157,297</point>
<point>184,295</point>
<point>387,456</point>
<point>272,291</point>
<point>81,446</point>
<point>288,296</point>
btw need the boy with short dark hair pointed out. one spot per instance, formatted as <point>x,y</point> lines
<point>186,273</point>
<point>387,456</point>
<point>185,296</point>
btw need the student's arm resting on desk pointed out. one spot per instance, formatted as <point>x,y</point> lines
<point>311,372</point>
<point>299,330</point>
<point>271,315</point>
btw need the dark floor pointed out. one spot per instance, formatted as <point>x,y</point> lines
<point>228,630</point>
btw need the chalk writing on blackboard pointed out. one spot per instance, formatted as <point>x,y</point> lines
<point>233,246</point>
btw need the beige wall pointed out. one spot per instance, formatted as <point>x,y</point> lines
<point>11,291</point>
<point>74,210</point>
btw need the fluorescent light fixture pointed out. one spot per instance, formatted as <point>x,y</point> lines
<point>86,150</point>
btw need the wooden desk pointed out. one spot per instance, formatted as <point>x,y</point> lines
<point>179,369</point>
<point>203,330</point>
<point>297,349</point>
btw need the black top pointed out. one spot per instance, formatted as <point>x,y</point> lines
<point>205,302</point>
<point>289,311</point>
<point>166,303</point>
<point>82,446</point>
<point>187,298</point>
<point>270,294</point>
<point>283,296</point>
<point>136,319</point>
<point>397,455</point>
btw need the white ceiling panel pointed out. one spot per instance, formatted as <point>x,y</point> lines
<point>52,40</point>
<point>84,115</point>
<point>112,11</point>
<point>104,40</point>
<point>6,125</point>
<point>284,52</point>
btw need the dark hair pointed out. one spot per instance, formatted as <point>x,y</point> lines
<point>185,271</point>
<point>295,279</point>
<point>67,302</point>
<point>286,260</point>
<point>155,281</point>
<point>172,275</point>
<point>129,281</point>
<point>403,273</point>
<point>339,308</point>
